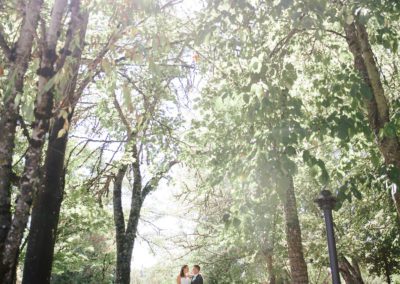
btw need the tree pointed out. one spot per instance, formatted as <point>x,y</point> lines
<point>39,252</point>
<point>142,140</point>
<point>142,95</point>
<point>291,97</point>
<point>267,51</point>
<point>17,57</point>
<point>39,255</point>
<point>264,106</point>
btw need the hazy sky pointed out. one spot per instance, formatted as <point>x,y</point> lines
<point>171,216</point>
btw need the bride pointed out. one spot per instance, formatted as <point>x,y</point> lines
<point>183,277</point>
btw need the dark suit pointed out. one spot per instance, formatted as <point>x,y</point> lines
<point>198,280</point>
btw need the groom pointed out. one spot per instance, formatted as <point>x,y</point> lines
<point>197,278</point>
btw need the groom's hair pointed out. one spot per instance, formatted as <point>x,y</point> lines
<point>197,267</point>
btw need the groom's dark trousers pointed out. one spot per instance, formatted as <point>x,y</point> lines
<point>198,280</point>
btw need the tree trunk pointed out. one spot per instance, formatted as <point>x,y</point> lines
<point>119,222</point>
<point>270,269</point>
<point>388,279</point>
<point>387,272</point>
<point>43,113</point>
<point>350,272</point>
<point>46,209</point>
<point>18,60</point>
<point>7,130</point>
<point>298,266</point>
<point>377,106</point>
<point>124,250</point>
<point>125,237</point>
<point>45,212</point>
<point>123,268</point>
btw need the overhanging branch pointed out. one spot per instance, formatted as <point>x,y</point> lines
<point>154,181</point>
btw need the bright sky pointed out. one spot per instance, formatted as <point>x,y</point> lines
<point>170,216</point>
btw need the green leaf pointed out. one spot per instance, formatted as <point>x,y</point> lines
<point>366,91</point>
<point>288,166</point>
<point>106,65</point>
<point>246,98</point>
<point>290,151</point>
<point>356,192</point>
<point>324,177</point>
<point>236,222</point>
<point>256,65</point>
<point>286,3</point>
<point>390,130</point>
<point>349,19</point>
<point>257,89</point>
<point>306,156</point>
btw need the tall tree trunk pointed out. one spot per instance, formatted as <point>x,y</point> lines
<point>18,62</point>
<point>126,236</point>
<point>46,209</point>
<point>123,268</point>
<point>43,113</point>
<point>388,279</point>
<point>298,266</point>
<point>125,244</point>
<point>388,272</point>
<point>45,212</point>
<point>119,222</point>
<point>377,106</point>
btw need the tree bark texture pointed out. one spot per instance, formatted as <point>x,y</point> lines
<point>298,266</point>
<point>42,113</point>
<point>350,272</point>
<point>378,105</point>
<point>46,208</point>
<point>126,236</point>
<point>45,212</point>
<point>270,269</point>
<point>18,57</point>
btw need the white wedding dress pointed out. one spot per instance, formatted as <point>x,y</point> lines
<point>186,280</point>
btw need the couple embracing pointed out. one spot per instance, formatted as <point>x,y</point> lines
<point>185,277</point>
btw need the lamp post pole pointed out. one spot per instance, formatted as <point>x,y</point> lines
<point>326,201</point>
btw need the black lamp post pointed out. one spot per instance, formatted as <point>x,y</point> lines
<point>326,202</point>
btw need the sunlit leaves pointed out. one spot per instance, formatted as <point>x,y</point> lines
<point>256,63</point>
<point>305,100</point>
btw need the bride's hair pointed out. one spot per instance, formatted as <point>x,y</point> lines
<point>182,274</point>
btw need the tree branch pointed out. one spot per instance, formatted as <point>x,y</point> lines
<point>122,116</point>
<point>281,44</point>
<point>154,181</point>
